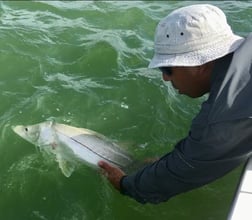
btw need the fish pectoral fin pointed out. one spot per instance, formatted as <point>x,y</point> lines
<point>66,167</point>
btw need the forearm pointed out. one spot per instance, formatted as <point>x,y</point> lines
<point>154,183</point>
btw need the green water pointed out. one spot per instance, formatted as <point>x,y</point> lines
<point>84,64</point>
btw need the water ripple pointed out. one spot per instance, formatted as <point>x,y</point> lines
<point>84,63</point>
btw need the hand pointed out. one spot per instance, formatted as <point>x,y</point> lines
<point>113,174</point>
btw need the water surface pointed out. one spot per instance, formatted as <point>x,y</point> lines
<point>85,64</point>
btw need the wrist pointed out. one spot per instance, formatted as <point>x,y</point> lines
<point>121,189</point>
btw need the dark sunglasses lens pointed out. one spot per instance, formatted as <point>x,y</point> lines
<point>166,70</point>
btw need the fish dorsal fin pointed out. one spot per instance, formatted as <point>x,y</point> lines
<point>66,167</point>
<point>71,131</point>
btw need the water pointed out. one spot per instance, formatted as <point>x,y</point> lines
<point>84,64</point>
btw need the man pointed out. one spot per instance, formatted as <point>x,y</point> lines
<point>198,53</point>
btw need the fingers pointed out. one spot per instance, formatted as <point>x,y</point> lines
<point>109,170</point>
<point>112,173</point>
<point>104,165</point>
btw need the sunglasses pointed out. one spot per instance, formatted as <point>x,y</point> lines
<point>166,70</point>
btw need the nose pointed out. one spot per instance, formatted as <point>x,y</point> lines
<point>166,77</point>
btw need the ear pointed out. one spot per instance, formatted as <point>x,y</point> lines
<point>206,68</point>
<point>204,72</point>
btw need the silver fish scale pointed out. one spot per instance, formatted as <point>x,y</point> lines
<point>104,148</point>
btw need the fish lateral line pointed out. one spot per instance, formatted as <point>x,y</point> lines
<point>115,163</point>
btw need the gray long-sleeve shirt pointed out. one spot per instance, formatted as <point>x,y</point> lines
<point>220,136</point>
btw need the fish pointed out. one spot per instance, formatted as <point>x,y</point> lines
<point>71,145</point>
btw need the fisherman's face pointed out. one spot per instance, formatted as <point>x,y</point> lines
<point>191,81</point>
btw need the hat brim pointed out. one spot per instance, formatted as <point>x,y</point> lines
<point>199,57</point>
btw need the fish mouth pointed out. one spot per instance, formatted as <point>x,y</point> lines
<point>19,130</point>
<point>14,128</point>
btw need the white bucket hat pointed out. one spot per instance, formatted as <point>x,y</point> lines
<point>193,35</point>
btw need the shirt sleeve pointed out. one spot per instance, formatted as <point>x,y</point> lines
<point>205,155</point>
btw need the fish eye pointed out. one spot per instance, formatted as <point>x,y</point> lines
<point>26,129</point>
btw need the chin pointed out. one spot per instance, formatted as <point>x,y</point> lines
<point>196,95</point>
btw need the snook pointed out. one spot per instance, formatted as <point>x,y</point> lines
<point>70,144</point>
